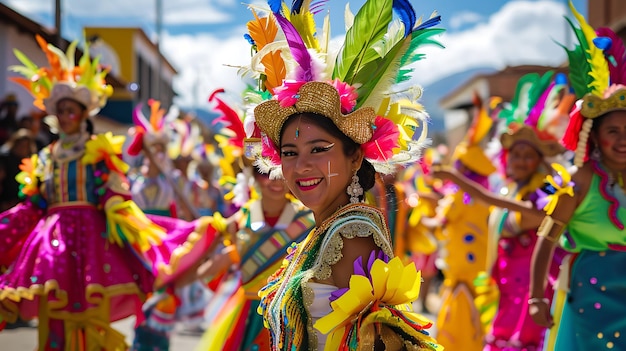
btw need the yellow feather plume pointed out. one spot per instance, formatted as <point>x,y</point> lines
<point>599,66</point>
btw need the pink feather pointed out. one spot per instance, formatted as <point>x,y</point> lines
<point>535,113</point>
<point>384,140</point>
<point>139,119</point>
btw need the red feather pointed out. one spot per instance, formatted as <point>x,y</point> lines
<point>230,118</point>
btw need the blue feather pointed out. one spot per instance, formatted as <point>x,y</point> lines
<point>405,11</point>
<point>275,5</point>
<point>296,5</point>
<point>430,23</point>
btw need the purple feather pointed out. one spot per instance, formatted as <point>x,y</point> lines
<point>304,73</point>
<point>139,119</point>
<point>535,113</point>
<point>618,52</point>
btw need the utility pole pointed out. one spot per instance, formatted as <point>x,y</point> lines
<point>57,24</point>
<point>159,25</point>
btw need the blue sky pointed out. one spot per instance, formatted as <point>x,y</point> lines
<point>200,37</point>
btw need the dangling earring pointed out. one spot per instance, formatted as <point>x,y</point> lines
<point>355,190</point>
<point>596,154</point>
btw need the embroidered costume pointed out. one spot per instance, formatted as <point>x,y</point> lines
<point>261,245</point>
<point>355,95</point>
<point>291,303</point>
<point>536,114</point>
<point>78,254</point>
<point>588,306</point>
<point>463,247</point>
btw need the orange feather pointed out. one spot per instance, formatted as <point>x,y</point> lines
<point>263,31</point>
<point>57,73</point>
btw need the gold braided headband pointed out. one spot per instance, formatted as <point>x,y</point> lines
<point>319,98</point>
<point>595,106</point>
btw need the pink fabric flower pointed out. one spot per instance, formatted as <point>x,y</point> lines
<point>269,150</point>
<point>384,140</point>
<point>287,94</point>
<point>347,94</point>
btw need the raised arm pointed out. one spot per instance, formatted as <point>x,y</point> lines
<point>548,234</point>
<point>479,192</point>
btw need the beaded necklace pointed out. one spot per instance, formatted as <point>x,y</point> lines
<point>285,299</point>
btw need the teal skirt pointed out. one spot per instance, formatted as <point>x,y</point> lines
<point>594,314</point>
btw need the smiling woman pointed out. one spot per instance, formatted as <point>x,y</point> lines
<point>327,138</point>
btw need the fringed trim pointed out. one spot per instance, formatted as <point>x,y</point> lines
<point>613,202</point>
<point>581,148</point>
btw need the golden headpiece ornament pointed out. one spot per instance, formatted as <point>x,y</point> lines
<point>597,66</point>
<point>84,83</point>
<point>296,75</point>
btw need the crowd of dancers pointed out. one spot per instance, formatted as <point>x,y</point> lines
<point>313,213</point>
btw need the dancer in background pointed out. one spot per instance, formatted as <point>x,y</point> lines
<point>537,112</point>
<point>158,193</point>
<point>266,225</point>
<point>589,222</point>
<point>463,242</point>
<point>79,253</point>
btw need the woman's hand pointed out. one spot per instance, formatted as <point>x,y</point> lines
<point>443,173</point>
<point>539,310</point>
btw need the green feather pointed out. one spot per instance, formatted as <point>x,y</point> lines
<point>30,65</point>
<point>538,88</point>
<point>514,112</point>
<point>370,25</point>
<point>579,67</point>
<point>379,75</point>
<point>418,39</point>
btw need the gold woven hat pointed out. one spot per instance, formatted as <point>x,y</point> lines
<point>71,91</point>
<point>528,135</point>
<point>614,99</point>
<point>319,98</point>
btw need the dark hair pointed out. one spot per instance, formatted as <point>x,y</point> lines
<point>89,125</point>
<point>367,173</point>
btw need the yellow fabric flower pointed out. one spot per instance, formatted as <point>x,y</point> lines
<point>390,284</point>
<point>106,147</point>
<point>564,187</point>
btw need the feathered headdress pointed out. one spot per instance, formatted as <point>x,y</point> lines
<point>357,86</point>
<point>470,151</point>
<point>236,179</point>
<point>151,130</point>
<point>84,83</point>
<point>537,113</point>
<point>597,66</point>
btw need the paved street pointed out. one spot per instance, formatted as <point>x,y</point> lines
<point>25,339</point>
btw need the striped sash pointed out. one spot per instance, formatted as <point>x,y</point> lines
<point>273,243</point>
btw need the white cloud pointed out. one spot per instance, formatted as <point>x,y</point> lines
<point>522,32</point>
<point>187,15</point>
<point>464,18</point>
<point>201,61</point>
<point>174,11</point>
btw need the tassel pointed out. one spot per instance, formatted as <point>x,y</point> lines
<point>570,138</point>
